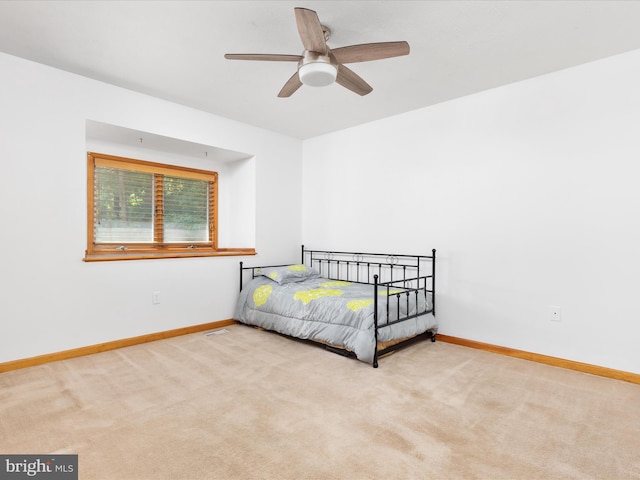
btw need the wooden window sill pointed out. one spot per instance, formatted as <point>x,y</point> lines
<point>224,252</point>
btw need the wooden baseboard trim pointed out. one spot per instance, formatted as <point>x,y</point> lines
<point>535,357</point>
<point>104,347</point>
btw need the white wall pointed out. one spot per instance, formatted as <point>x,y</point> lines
<point>527,191</point>
<point>530,194</point>
<point>50,300</point>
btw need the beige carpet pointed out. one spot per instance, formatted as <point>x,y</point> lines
<point>250,404</point>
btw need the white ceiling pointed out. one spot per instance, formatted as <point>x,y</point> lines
<point>174,50</point>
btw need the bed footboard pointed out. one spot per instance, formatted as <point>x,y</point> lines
<point>397,279</point>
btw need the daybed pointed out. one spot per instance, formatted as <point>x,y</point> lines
<point>360,304</point>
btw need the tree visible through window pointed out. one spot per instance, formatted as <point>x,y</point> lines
<point>138,207</point>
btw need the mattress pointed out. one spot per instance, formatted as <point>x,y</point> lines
<point>334,312</point>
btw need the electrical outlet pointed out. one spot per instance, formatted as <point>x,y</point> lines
<point>555,314</point>
<point>155,297</point>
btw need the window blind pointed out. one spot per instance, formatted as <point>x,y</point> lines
<point>185,210</point>
<point>124,206</point>
<point>140,207</point>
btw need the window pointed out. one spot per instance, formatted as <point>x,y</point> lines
<point>140,209</point>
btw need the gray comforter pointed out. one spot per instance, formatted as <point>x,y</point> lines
<point>334,312</point>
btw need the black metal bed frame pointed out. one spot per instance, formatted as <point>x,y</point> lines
<point>391,275</point>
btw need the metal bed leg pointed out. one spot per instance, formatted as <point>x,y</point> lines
<point>375,320</point>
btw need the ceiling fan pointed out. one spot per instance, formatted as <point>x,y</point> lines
<point>319,66</point>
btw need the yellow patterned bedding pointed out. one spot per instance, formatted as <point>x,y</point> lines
<point>335,312</point>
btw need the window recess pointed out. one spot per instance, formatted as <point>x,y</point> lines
<point>140,209</point>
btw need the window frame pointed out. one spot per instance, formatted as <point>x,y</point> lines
<point>156,248</point>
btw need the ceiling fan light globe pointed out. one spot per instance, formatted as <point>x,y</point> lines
<point>318,74</point>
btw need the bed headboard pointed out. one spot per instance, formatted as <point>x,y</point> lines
<point>399,269</point>
<point>384,269</point>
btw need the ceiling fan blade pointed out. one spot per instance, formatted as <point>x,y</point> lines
<point>263,56</point>
<point>310,30</point>
<point>370,51</point>
<point>349,79</point>
<point>291,86</point>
